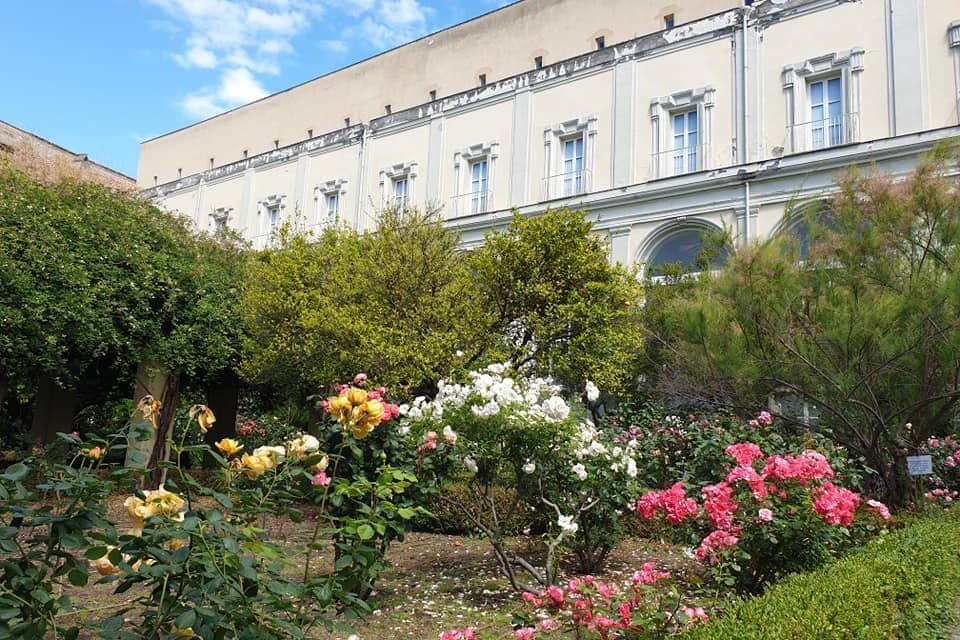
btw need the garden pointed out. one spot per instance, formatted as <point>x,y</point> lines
<point>379,435</point>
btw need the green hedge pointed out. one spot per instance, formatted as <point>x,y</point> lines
<point>904,585</point>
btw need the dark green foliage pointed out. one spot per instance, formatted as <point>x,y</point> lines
<point>903,585</point>
<point>95,280</point>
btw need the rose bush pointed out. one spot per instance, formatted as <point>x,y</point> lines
<point>201,561</point>
<point>517,431</point>
<point>769,515</point>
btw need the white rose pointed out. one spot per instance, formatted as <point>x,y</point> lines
<point>529,467</point>
<point>566,523</point>
<point>555,409</point>
<point>450,435</point>
<point>470,464</point>
<point>580,471</point>
<point>631,468</point>
<point>593,393</point>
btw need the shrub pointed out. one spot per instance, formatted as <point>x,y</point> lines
<point>902,585</point>
<point>690,447</point>
<point>517,432</point>
<point>516,516</point>
<point>768,515</point>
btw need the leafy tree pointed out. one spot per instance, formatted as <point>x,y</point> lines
<point>866,327</point>
<point>398,302</point>
<point>92,279</point>
<point>563,307</point>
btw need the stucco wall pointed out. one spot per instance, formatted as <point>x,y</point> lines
<point>499,44</point>
<point>940,62</point>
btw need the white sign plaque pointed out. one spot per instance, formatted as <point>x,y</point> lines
<point>919,465</point>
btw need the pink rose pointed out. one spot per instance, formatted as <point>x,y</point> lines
<point>524,633</point>
<point>765,515</point>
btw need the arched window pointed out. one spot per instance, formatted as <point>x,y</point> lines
<point>795,225</point>
<point>683,248</point>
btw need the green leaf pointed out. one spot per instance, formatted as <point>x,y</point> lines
<point>95,553</point>
<point>78,577</point>
<point>186,619</point>
<point>365,532</point>
<point>15,472</point>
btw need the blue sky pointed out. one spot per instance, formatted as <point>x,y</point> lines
<point>99,76</point>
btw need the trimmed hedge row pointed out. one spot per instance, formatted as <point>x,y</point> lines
<point>904,585</point>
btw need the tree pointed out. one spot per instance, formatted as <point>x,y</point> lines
<point>397,303</point>
<point>94,280</point>
<point>866,327</point>
<point>562,306</point>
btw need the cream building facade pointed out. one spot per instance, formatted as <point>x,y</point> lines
<point>661,121</point>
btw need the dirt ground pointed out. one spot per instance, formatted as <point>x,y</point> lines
<point>435,582</point>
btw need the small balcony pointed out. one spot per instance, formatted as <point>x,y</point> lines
<point>821,134</point>
<point>564,185</point>
<point>676,162</point>
<point>471,203</point>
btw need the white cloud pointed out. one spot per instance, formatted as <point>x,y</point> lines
<point>244,40</point>
<point>393,22</point>
<point>197,55</point>
<point>237,86</point>
<point>338,47</point>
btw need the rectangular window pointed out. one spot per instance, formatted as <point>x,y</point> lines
<point>478,186</point>
<point>685,142</point>
<point>400,192</point>
<point>333,207</point>
<point>273,217</point>
<point>826,112</point>
<point>572,166</point>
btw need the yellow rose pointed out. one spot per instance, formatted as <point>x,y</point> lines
<point>339,406</point>
<point>94,454</point>
<point>303,446</point>
<point>228,446</point>
<point>104,567</point>
<point>136,509</point>
<point>322,465</point>
<point>149,408</point>
<point>374,410</point>
<point>165,502</point>
<point>177,543</point>
<point>255,466</point>
<point>356,396</point>
<point>204,415</point>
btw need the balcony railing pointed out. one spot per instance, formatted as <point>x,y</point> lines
<point>821,134</point>
<point>564,185</point>
<point>467,204</point>
<point>675,162</point>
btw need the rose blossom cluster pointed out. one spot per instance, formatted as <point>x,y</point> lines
<point>672,502</point>
<point>459,634</point>
<point>606,609</point>
<point>768,480</point>
<point>491,391</point>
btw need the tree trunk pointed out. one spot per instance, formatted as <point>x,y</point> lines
<point>147,443</point>
<point>53,410</point>
<point>222,398</point>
